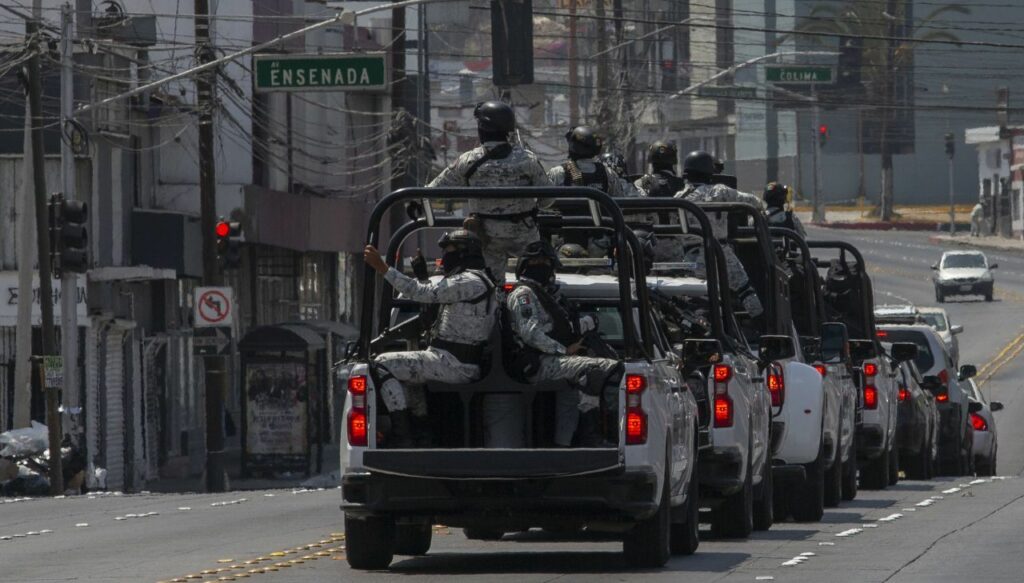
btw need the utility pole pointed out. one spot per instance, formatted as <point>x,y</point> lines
<point>35,99</point>
<point>69,279</point>
<point>603,88</point>
<point>216,366</point>
<point>950,152</point>
<point>574,81</point>
<point>816,214</point>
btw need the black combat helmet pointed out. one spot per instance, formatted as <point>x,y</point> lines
<point>776,194</point>
<point>535,250</point>
<point>495,120</point>
<point>573,251</point>
<point>583,143</point>
<point>464,240</point>
<point>699,166</point>
<point>616,162</point>
<point>662,155</point>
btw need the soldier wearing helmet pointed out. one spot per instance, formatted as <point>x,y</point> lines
<point>582,168</point>
<point>504,225</point>
<point>617,163</point>
<point>776,198</point>
<point>462,327</point>
<point>550,336</point>
<point>662,179</point>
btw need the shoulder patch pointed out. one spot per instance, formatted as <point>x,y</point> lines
<point>524,300</point>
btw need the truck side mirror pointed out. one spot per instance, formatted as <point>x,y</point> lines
<point>968,371</point>
<point>933,385</point>
<point>995,406</point>
<point>935,266</point>
<point>698,351</point>
<point>993,266</point>
<point>776,347</point>
<point>861,350</point>
<point>974,407</point>
<point>835,342</point>
<point>904,351</point>
<point>956,329</point>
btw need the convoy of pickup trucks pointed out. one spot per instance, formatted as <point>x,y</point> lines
<point>719,416</point>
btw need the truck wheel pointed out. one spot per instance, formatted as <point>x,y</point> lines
<point>988,296</point>
<point>369,542</point>
<point>648,544</point>
<point>894,466</point>
<point>764,508</point>
<point>412,539</point>
<point>685,536</point>
<point>833,481</point>
<point>876,473</point>
<point>809,496</point>
<point>850,474</point>
<point>734,518</point>
<point>482,533</point>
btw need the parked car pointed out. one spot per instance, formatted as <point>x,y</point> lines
<point>986,443</point>
<point>938,319</point>
<point>942,379</point>
<point>961,273</point>
<point>917,426</point>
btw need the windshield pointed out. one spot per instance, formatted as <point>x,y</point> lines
<point>925,359</point>
<point>971,260</point>
<point>937,321</point>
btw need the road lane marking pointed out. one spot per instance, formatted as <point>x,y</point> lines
<point>244,568</point>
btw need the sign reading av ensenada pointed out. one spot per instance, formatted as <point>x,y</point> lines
<point>329,72</point>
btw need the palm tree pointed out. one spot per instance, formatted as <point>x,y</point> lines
<point>888,49</point>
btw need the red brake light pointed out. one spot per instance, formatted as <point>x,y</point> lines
<point>723,411</point>
<point>882,334</point>
<point>222,229</point>
<point>777,386</point>
<point>978,422</point>
<point>822,369</point>
<point>357,384</point>
<point>944,377</point>
<point>508,287</point>
<point>903,394</point>
<point>636,427</point>
<point>635,383</point>
<point>942,397</point>
<point>722,373</point>
<point>357,428</point>
<point>870,397</point>
<point>870,369</point>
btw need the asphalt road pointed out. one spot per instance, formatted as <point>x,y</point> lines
<point>943,530</point>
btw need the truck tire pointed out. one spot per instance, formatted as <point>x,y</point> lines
<point>939,297</point>
<point>876,473</point>
<point>369,542</point>
<point>850,474</point>
<point>764,507</point>
<point>734,518</point>
<point>894,466</point>
<point>685,536</point>
<point>833,481</point>
<point>473,533</point>
<point>809,497</point>
<point>648,544</point>
<point>413,539</point>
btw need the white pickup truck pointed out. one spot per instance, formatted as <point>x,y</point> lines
<point>639,487</point>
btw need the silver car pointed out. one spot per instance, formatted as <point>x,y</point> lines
<point>986,444</point>
<point>938,319</point>
<point>961,273</point>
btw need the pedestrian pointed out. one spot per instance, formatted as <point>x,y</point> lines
<point>505,225</point>
<point>460,331</point>
<point>582,169</point>
<point>776,199</point>
<point>977,216</point>
<point>551,347</point>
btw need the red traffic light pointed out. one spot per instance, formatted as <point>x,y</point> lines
<point>223,229</point>
<point>823,130</point>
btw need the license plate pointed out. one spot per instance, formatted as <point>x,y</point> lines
<point>965,288</point>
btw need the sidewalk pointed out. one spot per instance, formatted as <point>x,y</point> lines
<point>989,243</point>
<point>909,218</point>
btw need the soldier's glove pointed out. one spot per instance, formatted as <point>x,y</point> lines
<point>588,323</point>
<point>419,267</point>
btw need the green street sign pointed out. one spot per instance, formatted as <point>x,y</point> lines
<point>727,92</point>
<point>330,72</point>
<point>800,74</point>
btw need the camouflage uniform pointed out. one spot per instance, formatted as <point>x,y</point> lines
<point>668,248</point>
<point>591,177</point>
<point>532,325</point>
<point>503,238</point>
<point>777,217</point>
<point>463,319</point>
<point>739,282</point>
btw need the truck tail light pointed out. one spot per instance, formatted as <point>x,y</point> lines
<point>903,394</point>
<point>944,377</point>
<point>358,422</point>
<point>978,422</point>
<point>870,397</point>
<point>942,397</point>
<point>870,369</point>
<point>822,369</point>
<point>777,384</point>
<point>636,418</point>
<point>722,373</point>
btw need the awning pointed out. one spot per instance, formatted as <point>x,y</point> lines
<point>281,337</point>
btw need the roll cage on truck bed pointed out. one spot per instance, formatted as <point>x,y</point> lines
<point>639,487</point>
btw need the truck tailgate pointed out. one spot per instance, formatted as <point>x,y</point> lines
<point>492,463</point>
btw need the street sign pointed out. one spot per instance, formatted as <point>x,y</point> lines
<point>727,92</point>
<point>213,306</point>
<point>330,72</point>
<point>53,370</point>
<point>211,341</point>
<point>800,74</point>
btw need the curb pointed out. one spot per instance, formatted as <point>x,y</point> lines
<point>966,242</point>
<point>882,226</point>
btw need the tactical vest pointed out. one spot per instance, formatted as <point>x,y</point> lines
<point>564,327</point>
<point>573,176</point>
<point>664,185</point>
<point>467,353</point>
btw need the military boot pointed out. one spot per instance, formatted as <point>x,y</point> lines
<point>401,436</point>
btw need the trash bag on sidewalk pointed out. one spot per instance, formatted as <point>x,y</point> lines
<point>26,441</point>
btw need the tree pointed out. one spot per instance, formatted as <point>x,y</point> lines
<point>889,41</point>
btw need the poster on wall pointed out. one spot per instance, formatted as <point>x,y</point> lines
<point>276,415</point>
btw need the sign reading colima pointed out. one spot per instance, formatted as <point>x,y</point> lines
<point>329,72</point>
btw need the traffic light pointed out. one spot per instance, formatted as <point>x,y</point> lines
<point>229,243</point>
<point>822,135</point>
<point>69,239</point>
<point>851,60</point>
<point>950,145</point>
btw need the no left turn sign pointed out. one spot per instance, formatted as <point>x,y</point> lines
<point>213,306</point>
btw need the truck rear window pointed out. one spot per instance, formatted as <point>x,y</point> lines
<point>925,359</point>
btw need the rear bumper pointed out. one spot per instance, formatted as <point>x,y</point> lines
<point>956,288</point>
<point>622,496</point>
<point>721,471</point>
<point>870,441</point>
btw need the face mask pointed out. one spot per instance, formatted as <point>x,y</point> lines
<point>450,261</point>
<point>539,273</point>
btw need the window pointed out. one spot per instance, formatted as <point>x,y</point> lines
<point>925,359</point>
<point>937,321</point>
<point>963,260</point>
